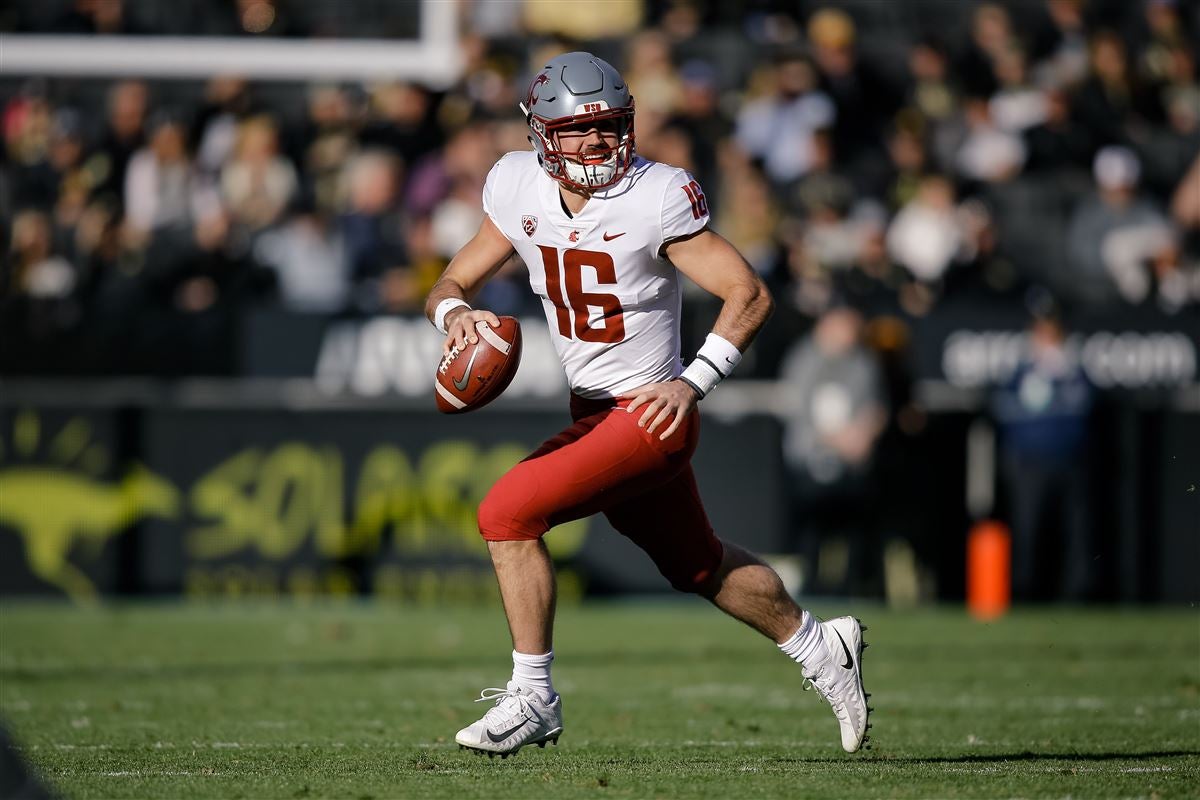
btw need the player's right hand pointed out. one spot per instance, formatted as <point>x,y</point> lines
<point>460,327</point>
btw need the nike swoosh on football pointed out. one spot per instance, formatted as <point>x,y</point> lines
<point>500,737</point>
<point>849,661</point>
<point>467,373</point>
<point>608,238</point>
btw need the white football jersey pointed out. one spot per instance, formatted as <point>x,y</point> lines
<point>611,298</point>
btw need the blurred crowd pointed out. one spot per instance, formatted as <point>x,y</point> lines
<point>847,150</point>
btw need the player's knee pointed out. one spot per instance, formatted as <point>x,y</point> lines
<point>699,574</point>
<point>691,580</point>
<point>504,517</point>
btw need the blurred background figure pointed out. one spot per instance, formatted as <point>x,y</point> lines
<point>1042,415</point>
<point>778,128</point>
<point>159,181</point>
<point>1114,233</point>
<point>257,183</point>
<point>372,230</point>
<point>836,409</point>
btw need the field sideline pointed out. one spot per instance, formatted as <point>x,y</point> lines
<point>667,700</point>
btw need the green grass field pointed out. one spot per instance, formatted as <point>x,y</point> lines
<point>660,700</point>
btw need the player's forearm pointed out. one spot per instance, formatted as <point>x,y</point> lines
<point>446,288</point>
<point>746,309</point>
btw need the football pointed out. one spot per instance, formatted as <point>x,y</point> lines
<point>471,378</point>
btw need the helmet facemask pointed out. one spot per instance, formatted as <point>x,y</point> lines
<point>592,168</point>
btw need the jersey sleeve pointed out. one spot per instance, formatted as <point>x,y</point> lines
<point>684,209</point>
<point>489,192</point>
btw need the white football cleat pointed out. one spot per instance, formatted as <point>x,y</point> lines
<point>839,681</point>
<point>520,717</point>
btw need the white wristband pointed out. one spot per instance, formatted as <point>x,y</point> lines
<point>715,361</point>
<point>444,308</point>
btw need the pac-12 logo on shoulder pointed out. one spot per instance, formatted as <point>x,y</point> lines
<point>529,224</point>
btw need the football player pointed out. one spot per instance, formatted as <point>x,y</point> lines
<point>605,235</point>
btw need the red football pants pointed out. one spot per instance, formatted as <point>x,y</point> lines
<point>605,462</point>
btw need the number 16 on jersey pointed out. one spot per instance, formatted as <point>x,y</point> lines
<point>576,299</point>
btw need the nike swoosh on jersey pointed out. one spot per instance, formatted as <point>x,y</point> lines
<point>849,661</point>
<point>609,238</point>
<point>467,372</point>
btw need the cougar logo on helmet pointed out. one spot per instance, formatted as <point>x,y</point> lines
<point>579,92</point>
<point>533,88</point>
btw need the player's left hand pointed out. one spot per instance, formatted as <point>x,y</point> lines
<point>661,401</point>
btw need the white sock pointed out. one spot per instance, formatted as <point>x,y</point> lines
<point>807,645</point>
<point>533,672</point>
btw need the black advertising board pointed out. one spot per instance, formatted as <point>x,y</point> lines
<point>68,494</point>
<point>268,502</point>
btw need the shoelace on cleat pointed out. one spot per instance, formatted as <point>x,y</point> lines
<point>837,704</point>
<point>500,696</point>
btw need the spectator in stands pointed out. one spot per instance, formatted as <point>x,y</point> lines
<point>123,134</point>
<point>988,153</point>
<point>1164,35</point>
<point>39,297</point>
<point>309,261</point>
<point>652,76</point>
<point>748,212</point>
<point>1059,44</point>
<point>326,140</point>
<point>877,284</point>
<point>227,102</point>
<point>1110,101</point>
<point>1114,233</point>
<point>258,183</point>
<point>991,35</point>
<point>1057,143</point>
<point>373,232</point>
<point>159,181</point>
<point>1043,413</point>
<point>863,97</point>
<point>702,118</point>
<point>1174,279</point>
<point>984,271</point>
<point>50,171</point>
<point>931,89</point>
<point>835,411</point>
<point>925,236</point>
<point>778,129</point>
<point>28,121</point>
<point>32,268</point>
<point>1167,149</point>
<point>822,187</point>
<point>908,161</point>
<point>824,201</point>
<point>76,178</point>
<point>1017,104</point>
<point>402,121</point>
